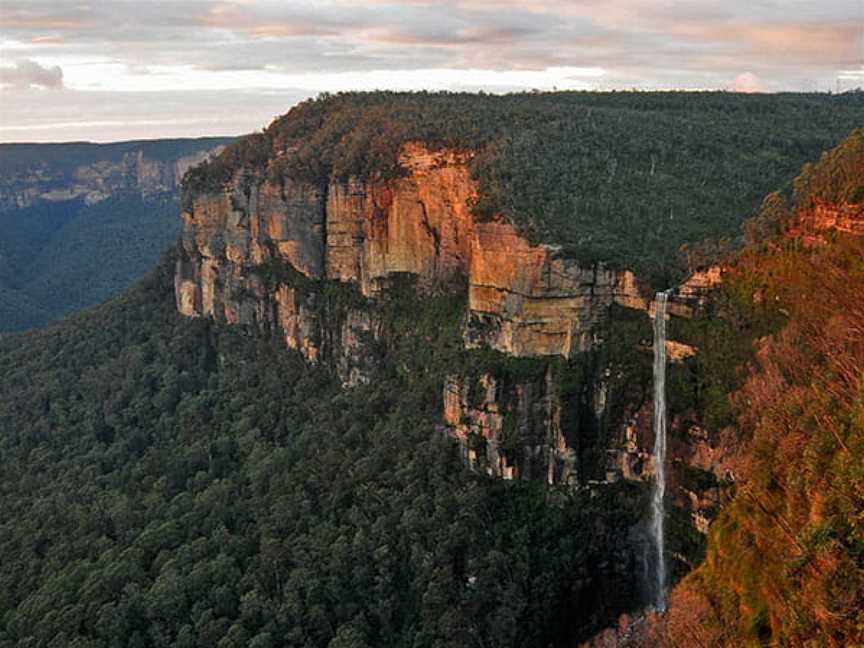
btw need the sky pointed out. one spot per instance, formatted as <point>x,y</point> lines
<point>107,70</point>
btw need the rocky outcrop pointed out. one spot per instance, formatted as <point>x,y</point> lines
<point>524,299</point>
<point>527,300</point>
<point>260,250</point>
<point>105,171</point>
<point>541,429</point>
<point>811,225</point>
<point>510,431</point>
<point>419,224</point>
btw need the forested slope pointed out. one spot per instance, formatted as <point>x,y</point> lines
<point>63,257</point>
<point>785,562</point>
<point>80,221</point>
<point>167,482</point>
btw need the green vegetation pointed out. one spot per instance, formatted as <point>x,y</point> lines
<point>59,257</point>
<point>623,177</point>
<point>836,177</point>
<point>168,482</point>
<point>723,333</point>
<point>785,560</point>
<point>173,482</point>
<point>56,257</point>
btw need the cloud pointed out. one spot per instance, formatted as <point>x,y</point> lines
<point>47,40</point>
<point>749,82</point>
<point>225,46</point>
<point>30,74</point>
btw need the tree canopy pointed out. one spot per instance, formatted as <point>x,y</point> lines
<point>621,177</point>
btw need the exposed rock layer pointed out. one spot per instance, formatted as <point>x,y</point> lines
<point>257,249</point>
<point>811,225</point>
<point>99,178</point>
<point>528,300</point>
<point>524,299</point>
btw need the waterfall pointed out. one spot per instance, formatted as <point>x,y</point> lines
<point>659,486</point>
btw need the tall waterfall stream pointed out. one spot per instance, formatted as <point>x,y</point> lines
<point>658,488</point>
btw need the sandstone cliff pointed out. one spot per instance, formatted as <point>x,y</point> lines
<point>261,249</point>
<point>524,300</point>
<point>318,263</point>
<point>30,174</point>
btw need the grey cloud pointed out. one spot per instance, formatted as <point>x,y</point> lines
<point>789,44</point>
<point>495,34</point>
<point>29,74</point>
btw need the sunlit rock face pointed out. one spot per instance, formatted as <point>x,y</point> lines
<point>692,294</point>
<point>237,241</point>
<point>420,224</point>
<point>524,299</point>
<point>528,300</point>
<point>812,225</point>
<point>259,251</point>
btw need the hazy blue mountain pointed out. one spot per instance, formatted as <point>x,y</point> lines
<point>82,221</point>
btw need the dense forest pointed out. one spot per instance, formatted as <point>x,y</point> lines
<point>56,258</point>
<point>623,177</point>
<point>167,482</point>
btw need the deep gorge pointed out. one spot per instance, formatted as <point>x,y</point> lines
<point>394,386</point>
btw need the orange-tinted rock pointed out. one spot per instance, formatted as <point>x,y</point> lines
<point>524,299</point>
<point>693,293</point>
<point>678,351</point>
<point>528,300</point>
<point>419,224</point>
<point>812,224</point>
<point>298,323</point>
<point>229,235</point>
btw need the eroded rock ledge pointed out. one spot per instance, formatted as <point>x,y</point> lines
<point>268,252</point>
<point>811,225</point>
<point>524,300</point>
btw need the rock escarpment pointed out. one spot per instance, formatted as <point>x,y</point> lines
<point>241,240</point>
<point>419,224</point>
<point>528,300</point>
<point>813,224</point>
<point>554,380</point>
<point>524,300</point>
<point>312,261</point>
<point>31,174</point>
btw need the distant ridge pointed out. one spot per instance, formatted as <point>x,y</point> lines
<point>81,221</point>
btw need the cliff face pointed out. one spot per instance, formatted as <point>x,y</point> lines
<point>566,396</point>
<point>528,300</point>
<point>510,431</point>
<point>101,173</point>
<point>420,224</point>
<point>524,300</point>
<point>261,251</point>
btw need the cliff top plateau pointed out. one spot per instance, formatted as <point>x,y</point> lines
<point>626,178</point>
